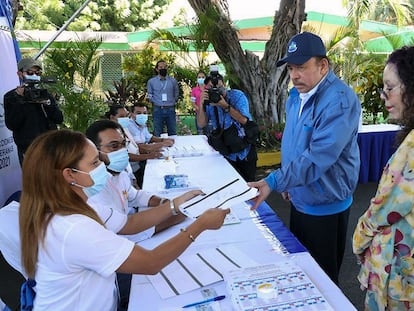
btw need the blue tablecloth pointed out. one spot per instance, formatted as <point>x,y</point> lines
<point>375,148</point>
<point>269,218</point>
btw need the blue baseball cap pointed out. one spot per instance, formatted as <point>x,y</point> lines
<point>301,48</point>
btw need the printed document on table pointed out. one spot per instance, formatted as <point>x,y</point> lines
<point>193,271</point>
<point>294,289</point>
<point>231,193</point>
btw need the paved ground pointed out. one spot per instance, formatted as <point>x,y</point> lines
<point>349,270</point>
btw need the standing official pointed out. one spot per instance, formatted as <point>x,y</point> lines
<point>320,155</point>
<point>163,94</point>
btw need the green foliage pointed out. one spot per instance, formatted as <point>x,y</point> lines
<point>140,68</point>
<point>369,80</point>
<point>186,125</point>
<point>125,94</point>
<point>389,11</point>
<point>191,39</point>
<point>270,134</point>
<point>80,109</point>
<point>76,67</point>
<point>186,78</point>
<point>99,15</point>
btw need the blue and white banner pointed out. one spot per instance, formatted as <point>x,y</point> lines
<point>10,171</point>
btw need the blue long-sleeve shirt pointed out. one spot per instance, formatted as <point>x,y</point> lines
<point>156,87</point>
<point>320,153</point>
<point>238,100</point>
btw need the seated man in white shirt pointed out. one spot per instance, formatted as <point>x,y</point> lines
<point>119,195</point>
<point>139,130</point>
<point>119,114</point>
<point>147,142</point>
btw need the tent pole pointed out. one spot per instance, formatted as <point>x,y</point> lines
<point>70,20</point>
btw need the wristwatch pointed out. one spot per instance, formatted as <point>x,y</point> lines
<point>227,109</point>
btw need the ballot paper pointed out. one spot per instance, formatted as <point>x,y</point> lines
<point>230,194</point>
<point>293,288</point>
<point>192,271</point>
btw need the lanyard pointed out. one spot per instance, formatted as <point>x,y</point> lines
<point>163,86</point>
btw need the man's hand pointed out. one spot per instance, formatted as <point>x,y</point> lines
<point>264,191</point>
<point>167,142</point>
<point>222,103</point>
<point>203,97</point>
<point>149,148</point>
<point>154,155</point>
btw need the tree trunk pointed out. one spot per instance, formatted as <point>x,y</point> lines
<point>264,84</point>
<point>16,6</point>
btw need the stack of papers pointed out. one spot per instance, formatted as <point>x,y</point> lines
<point>230,194</point>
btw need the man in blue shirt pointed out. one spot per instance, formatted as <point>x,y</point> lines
<point>163,94</point>
<point>320,154</point>
<point>232,107</point>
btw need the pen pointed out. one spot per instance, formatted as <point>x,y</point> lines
<point>204,301</point>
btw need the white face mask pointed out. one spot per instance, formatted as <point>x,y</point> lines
<point>99,175</point>
<point>141,119</point>
<point>118,160</point>
<point>31,78</point>
<point>200,81</point>
<point>123,122</point>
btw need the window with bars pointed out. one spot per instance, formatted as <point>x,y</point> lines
<point>111,70</point>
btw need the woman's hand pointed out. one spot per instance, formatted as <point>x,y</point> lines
<point>213,218</point>
<point>187,196</point>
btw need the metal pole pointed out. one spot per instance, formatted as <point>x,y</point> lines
<point>70,20</point>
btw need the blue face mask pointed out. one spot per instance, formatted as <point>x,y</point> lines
<point>123,122</point>
<point>118,160</point>
<point>99,177</point>
<point>31,78</point>
<point>200,81</point>
<point>141,119</point>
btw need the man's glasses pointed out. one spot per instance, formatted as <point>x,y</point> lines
<point>387,91</point>
<point>32,72</point>
<point>115,145</point>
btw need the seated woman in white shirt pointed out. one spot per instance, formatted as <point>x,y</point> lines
<point>65,245</point>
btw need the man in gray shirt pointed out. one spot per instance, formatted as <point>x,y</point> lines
<point>163,94</point>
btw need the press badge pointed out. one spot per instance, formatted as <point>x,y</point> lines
<point>164,97</point>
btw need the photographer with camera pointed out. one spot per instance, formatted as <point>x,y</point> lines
<point>227,111</point>
<point>30,110</point>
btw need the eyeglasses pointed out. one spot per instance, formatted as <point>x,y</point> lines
<point>115,145</point>
<point>32,72</point>
<point>387,91</point>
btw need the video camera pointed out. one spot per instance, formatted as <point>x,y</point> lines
<point>33,93</point>
<point>214,92</point>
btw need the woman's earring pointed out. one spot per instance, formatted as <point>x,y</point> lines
<point>72,183</point>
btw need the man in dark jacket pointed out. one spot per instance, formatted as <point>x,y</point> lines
<point>29,113</point>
